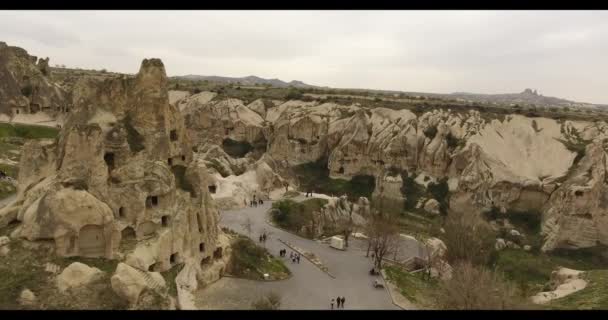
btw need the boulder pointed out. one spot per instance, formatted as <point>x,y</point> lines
<point>432,206</point>
<point>500,244</point>
<point>77,275</point>
<point>436,246</point>
<point>27,298</point>
<point>129,282</point>
<point>527,247</point>
<point>515,233</point>
<point>4,247</point>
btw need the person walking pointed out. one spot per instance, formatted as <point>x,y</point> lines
<point>342,302</point>
<point>332,304</point>
<point>298,258</point>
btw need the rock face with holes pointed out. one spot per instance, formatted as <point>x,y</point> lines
<point>120,182</point>
<point>26,87</point>
<point>510,163</point>
<point>576,215</point>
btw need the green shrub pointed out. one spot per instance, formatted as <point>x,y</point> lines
<point>441,192</point>
<point>295,216</point>
<point>27,131</point>
<point>430,132</point>
<point>236,149</point>
<point>251,261</point>
<point>315,176</point>
<point>293,94</point>
<point>412,192</point>
<point>134,138</point>
<point>27,90</point>
<point>179,172</point>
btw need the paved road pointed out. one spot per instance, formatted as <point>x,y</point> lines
<point>309,287</point>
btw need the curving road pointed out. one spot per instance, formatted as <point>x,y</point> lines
<point>309,287</point>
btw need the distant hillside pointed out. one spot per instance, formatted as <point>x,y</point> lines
<point>248,81</point>
<point>527,97</point>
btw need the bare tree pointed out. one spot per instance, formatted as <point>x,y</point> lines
<point>383,236</point>
<point>271,301</point>
<point>477,288</point>
<point>468,238</point>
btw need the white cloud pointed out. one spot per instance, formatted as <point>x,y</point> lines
<point>561,53</point>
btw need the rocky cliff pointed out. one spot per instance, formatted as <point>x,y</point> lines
<point>26,86</point>
<point>121,182</point>
<point>489,162</point>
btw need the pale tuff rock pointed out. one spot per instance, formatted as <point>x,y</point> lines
<point>4,247</point>
<point>388,192</point>
<point>26,87</point>
<point>27,298</point>
<point>219,120</point>
<point>337,212</point>
<point>120,182</point>
<point>516,163</point>
<point>565,282</point>
<point>129,282</point>
<point>77,275</point>
<point>500,244</point>
<point>4,240</point>
<point>432,206</point>
<point>575,215</point>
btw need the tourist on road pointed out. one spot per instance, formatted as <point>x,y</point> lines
<point>298,258</point>
<point>342,302</point>
<point>338,302</point>
<point>332,304</point>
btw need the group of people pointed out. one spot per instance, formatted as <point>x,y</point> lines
<point>339,301</point>
<point>295,257</point>
<point>254,202</point>
<point>263,237</point>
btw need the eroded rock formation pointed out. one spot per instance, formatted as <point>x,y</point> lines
<point>121,182</point>
<point>26,87</point>
<point>511,163</point>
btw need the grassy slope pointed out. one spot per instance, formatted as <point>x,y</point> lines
<point>251,261</point>
<point>315,176</point>
<point>24,268</point>
<point>293,215</point>
<point>412,286</point>
<point>594,296</point>
<point>12,137</point>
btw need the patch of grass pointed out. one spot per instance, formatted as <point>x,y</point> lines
<point>236,149</point>
<point>24,268</point>
<point>180,178</point>
<point>412,191</point>
<point>170,276</point>
<point>6,189</point>
<point>297,216</point>
<point>291,194</point>
<point>532,271</point>
<point>594,296</point>
<point>315,176</point>
<point>134,138</point>
<point>251,261</point>
<point>430,132</point>
<point>412,286</point>
<point>441,192</point>
<point>27,131</point>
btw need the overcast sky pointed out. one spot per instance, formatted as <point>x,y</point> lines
<point>560,53</point>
